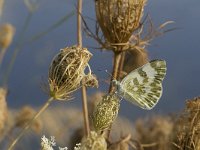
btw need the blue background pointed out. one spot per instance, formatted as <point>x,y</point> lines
<point>180,48</point>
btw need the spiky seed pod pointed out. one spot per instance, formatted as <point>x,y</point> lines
<point>106,112</point>
<point>118,19</point>
<point>3,110</point>
<point>6,35</point>
<point>24,116</point>
<point>94,141</point>
<point>67,71</point>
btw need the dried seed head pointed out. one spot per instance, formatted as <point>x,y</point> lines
<point>6,35</point>
<point>3,109</point>
<point>91,81</point>
<point>188,126</point>
<point>106,112</point>
<point>119,18</point>
<point>24,116</point>
<point>93,142</point>
<point>67,71</point>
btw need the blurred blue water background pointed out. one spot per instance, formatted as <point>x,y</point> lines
<point>180,48</point>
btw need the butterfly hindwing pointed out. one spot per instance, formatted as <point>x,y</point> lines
<point>143,86</point>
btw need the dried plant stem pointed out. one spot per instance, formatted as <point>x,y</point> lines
<point>19,46</point>
<point>2,53</point>
<point>115,74</point>
<point>28,125</point>
<point>117,57</point>
<point>84,92</point>
<point>121,65</point>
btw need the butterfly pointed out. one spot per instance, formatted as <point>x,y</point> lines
<point>143,86</point>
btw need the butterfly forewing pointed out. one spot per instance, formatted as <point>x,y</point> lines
<point>143,86</point>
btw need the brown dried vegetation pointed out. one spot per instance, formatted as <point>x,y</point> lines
<point>188,127</point>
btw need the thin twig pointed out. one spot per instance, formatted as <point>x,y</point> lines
<point>28,125</point>
<point>117,58</point>
<point>84,94</point>
<point>2,53</point>
<point>19,46</point>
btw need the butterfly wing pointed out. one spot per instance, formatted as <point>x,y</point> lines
<point>143,86</point>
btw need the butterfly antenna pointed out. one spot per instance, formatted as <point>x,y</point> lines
<point>109,73</point>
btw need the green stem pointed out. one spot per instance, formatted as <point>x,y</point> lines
<point>28,125</point>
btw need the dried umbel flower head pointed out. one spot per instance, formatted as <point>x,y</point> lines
<point>106,112</point>
<point>24,116</point>
<point>67,71</point>
<point>118,19</point>
<point>188,126</point>
<point>3,110</point>
<point>94,141</point>
<point>6,35</point>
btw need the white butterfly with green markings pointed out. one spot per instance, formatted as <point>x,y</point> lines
<point>143,86</point>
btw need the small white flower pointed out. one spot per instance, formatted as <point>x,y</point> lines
<point>78,146</point>
<point>47,144</point>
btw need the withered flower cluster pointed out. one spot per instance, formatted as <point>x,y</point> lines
<point>66,72</point>
<point>93,141</point>
<point>118,20</point>
<point>188,126</point>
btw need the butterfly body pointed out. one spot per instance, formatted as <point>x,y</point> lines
<point>143,86</point>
